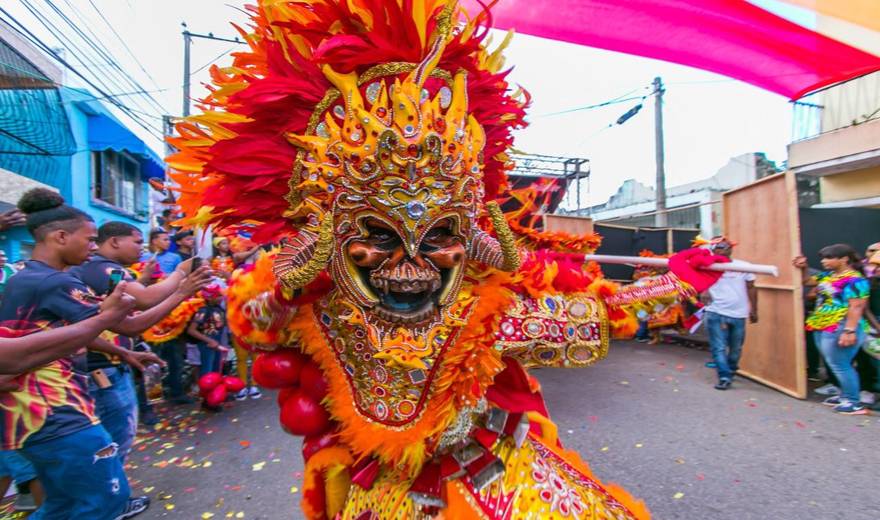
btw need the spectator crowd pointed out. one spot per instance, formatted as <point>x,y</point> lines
<point>83,351</point>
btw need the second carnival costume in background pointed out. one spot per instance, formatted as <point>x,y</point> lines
<point>402,308</point>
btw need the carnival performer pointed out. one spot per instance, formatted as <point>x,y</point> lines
<point>370,139</point>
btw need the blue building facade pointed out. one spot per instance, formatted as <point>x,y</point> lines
<point>102,167</point>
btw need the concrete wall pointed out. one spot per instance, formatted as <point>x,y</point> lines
<point>858,184</point>
<point>853,140</point>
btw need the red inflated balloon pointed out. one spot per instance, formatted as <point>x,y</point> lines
<point>302,415</point>
<point>209,382</point>
<point>312,381</point>
<point>278,369</point>
<point>285,394</point>
<point>315,443</point>
<point>233,384</point>
<point>217,396</point>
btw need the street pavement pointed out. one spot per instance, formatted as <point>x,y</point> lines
<point>647,418</point>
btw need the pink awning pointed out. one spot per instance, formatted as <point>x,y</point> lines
<point>729,37</point>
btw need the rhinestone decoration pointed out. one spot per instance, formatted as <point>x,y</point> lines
<point>507,328</point>
<point>425,95</point>
<point>339,111</point>
<point>321,130</point>
<point>373,91</point>
<point>445,97</point>
<point>415,209</point>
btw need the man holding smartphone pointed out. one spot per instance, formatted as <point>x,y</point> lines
<point>110,376</point>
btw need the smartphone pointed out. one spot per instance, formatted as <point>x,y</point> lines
<point>116,276</point>
<point>197,262</point>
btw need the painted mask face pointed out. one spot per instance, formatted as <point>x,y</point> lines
<point>404,287</point>
<point>395,169</point>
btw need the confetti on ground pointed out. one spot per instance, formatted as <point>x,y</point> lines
<point>678,495</point>
<point>624,382</point>
<point>604,448</point>
<point>800,424</point>
<point>245,444</point>
<point>259,466</point>
<point>294,489</point>
<point>639,445</point>
<point>679,460</point>
<point>169,506</point>
<point>206,515</point>
<point>700,476</point>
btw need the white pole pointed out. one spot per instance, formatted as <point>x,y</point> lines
<point>664,262</point>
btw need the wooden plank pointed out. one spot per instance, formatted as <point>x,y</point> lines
<point>569,224</point>
<point>762,218</point>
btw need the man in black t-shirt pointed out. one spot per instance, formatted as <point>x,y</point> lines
<point>110,380</point>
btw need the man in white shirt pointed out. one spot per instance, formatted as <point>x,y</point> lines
<point>733,298</point>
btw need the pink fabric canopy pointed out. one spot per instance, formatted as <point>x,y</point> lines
<point>730,37</point>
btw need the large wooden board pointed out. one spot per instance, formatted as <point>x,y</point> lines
<point>763,218</point>
<point>568,224</point>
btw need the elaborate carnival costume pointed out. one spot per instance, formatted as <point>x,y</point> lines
<point>369,138</point>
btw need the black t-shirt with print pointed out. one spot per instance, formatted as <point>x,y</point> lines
<point>96,275</point>
<point>54,399</point>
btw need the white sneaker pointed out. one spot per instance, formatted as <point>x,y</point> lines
<point>255,393</point>
<point>241,395</point>
<point>828,389</point>
<point>866,397</point>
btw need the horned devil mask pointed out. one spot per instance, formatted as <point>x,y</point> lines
<point>395,174</point>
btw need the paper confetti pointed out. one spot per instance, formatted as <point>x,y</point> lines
<point>258,466</point>
<point>294,489</point>
<point>678,495</point>
<point>206,515</point>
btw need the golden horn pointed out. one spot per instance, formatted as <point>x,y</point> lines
<point>500,253</point>
<point>303,258</point>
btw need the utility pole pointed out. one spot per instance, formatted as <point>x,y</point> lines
<point>187,43</point>
<point>660,216</point>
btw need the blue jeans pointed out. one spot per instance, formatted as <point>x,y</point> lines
<point>172,352</point>
<point>82,474</point>
<point>13,464</point>
<point>210,358</point>
<point>839,360</point>
<point>117,407</point>
<point>642,333</point>
<point>726,336</point>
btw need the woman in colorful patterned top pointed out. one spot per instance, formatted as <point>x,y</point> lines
<point>838,322</point>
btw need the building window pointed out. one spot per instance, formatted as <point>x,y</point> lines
<point>117,180</point>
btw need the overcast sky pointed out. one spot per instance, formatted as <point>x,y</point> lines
<point>708,118</point>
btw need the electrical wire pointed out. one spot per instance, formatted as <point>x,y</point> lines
<point>30,36</point>
<point>105,80</point>
<point>95,43</point>
<point>619,99</point>
<point>206,65</point>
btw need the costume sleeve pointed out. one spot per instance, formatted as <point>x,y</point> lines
<point>69,298</point>
<point>559,330</point>
<point>257,310</point>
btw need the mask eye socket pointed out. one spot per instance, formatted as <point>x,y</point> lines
<point>439,236</point>
<point>382,237</point>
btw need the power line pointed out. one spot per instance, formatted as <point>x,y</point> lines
<point>206,65</point>
<point>24,31</point>
<point>104,80</point>
<point>96,44</point>
<point>619,99</point>
<point>121,40</point>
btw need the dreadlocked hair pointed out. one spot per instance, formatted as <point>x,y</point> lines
<point>46,212</point>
